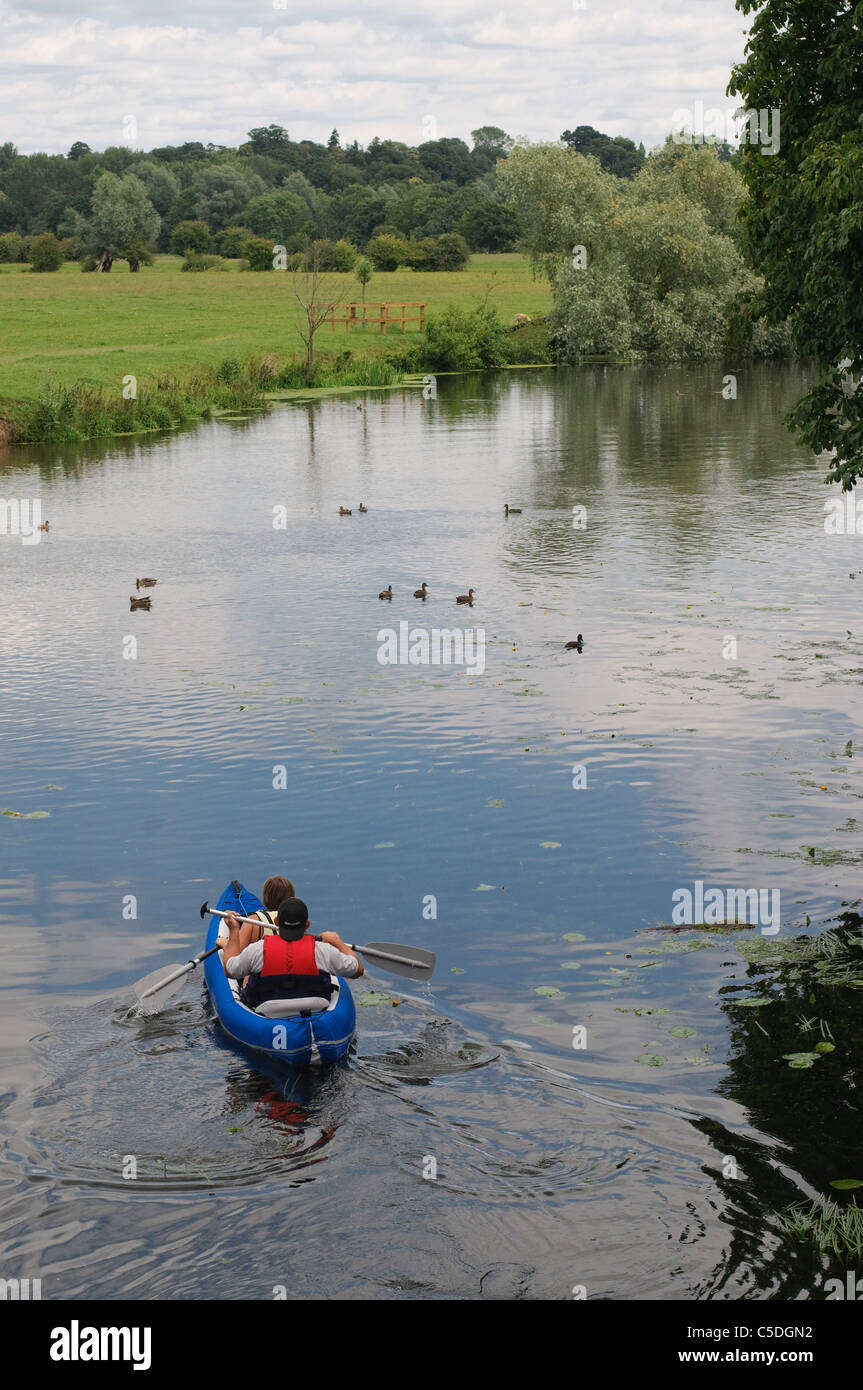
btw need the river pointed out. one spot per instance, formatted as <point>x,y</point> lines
<point>576,1101</point>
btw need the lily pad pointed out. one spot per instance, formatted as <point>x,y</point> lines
<point>495,802</point>
<point>372,998</point>
<point>846,1184</point>
<point>676,948</point>
<point>541,1018</point>
<point>800,1061</point>
<point>484,888</point>
<point>824,1047</point>
<point>569,965</point>
<point>550,991</point>
<point>456,970</point>
<point>386,844</point>
<point>757,1003</point>
<point>27,815</point>
<point>574,936</point>
<point>549,844</point>
<point>652,1059</point>
<point>681,1032</point>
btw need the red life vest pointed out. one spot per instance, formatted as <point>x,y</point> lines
<point>289,971</point>
<point>289,957</point>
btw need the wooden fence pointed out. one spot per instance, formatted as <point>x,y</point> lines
<point>377,314</point>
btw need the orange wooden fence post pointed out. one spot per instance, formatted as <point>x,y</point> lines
<point>350,318</point>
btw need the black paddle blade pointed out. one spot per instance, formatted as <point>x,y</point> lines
<point>205,907</point>
<point>412,962</point>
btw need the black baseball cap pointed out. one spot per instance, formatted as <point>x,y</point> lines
<point>293,917</point>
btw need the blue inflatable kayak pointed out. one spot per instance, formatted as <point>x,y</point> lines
<point>322,1037</point>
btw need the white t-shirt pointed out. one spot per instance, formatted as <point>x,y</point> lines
<point>327,957</point>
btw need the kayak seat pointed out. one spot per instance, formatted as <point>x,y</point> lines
<point>290,1008</point>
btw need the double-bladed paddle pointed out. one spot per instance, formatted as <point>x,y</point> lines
<point>410,961</point>
<point>155,988</point>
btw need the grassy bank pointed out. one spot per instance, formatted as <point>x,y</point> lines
<point>60,329</point>
<point>71,414</point>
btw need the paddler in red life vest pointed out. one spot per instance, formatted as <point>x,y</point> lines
<point>289,965</point>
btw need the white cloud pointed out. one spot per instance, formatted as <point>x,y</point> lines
<point>208,71</point>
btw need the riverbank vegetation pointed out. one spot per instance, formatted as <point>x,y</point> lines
<point>592,247</point>
<point>461,340</point>
<point>71,414</point>
<point>803,216</point>
<point>649,268</point>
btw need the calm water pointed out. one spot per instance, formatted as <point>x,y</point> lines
<point>555,1166</point>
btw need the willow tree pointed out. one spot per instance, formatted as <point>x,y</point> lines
<point>123,222</point>
<point>563,200</point>
<point>641,268</point>
<point>804,217</point>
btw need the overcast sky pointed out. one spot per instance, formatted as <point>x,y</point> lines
<point>421,69</point>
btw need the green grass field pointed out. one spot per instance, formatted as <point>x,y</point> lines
<point>56,329</point>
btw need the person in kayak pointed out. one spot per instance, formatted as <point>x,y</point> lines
<point>290,964</point>
<point>274,892</point>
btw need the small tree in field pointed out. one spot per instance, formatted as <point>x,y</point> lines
<point>364,272</point>
<point>451,252</point>
<point>345,255</point>
<point>232,241</point>
<point>12,247</point>
<point>46,253</point>
<point>191,235</point>
<point>317,295</point>
<point>259,253</point>
<point>387,252</point>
